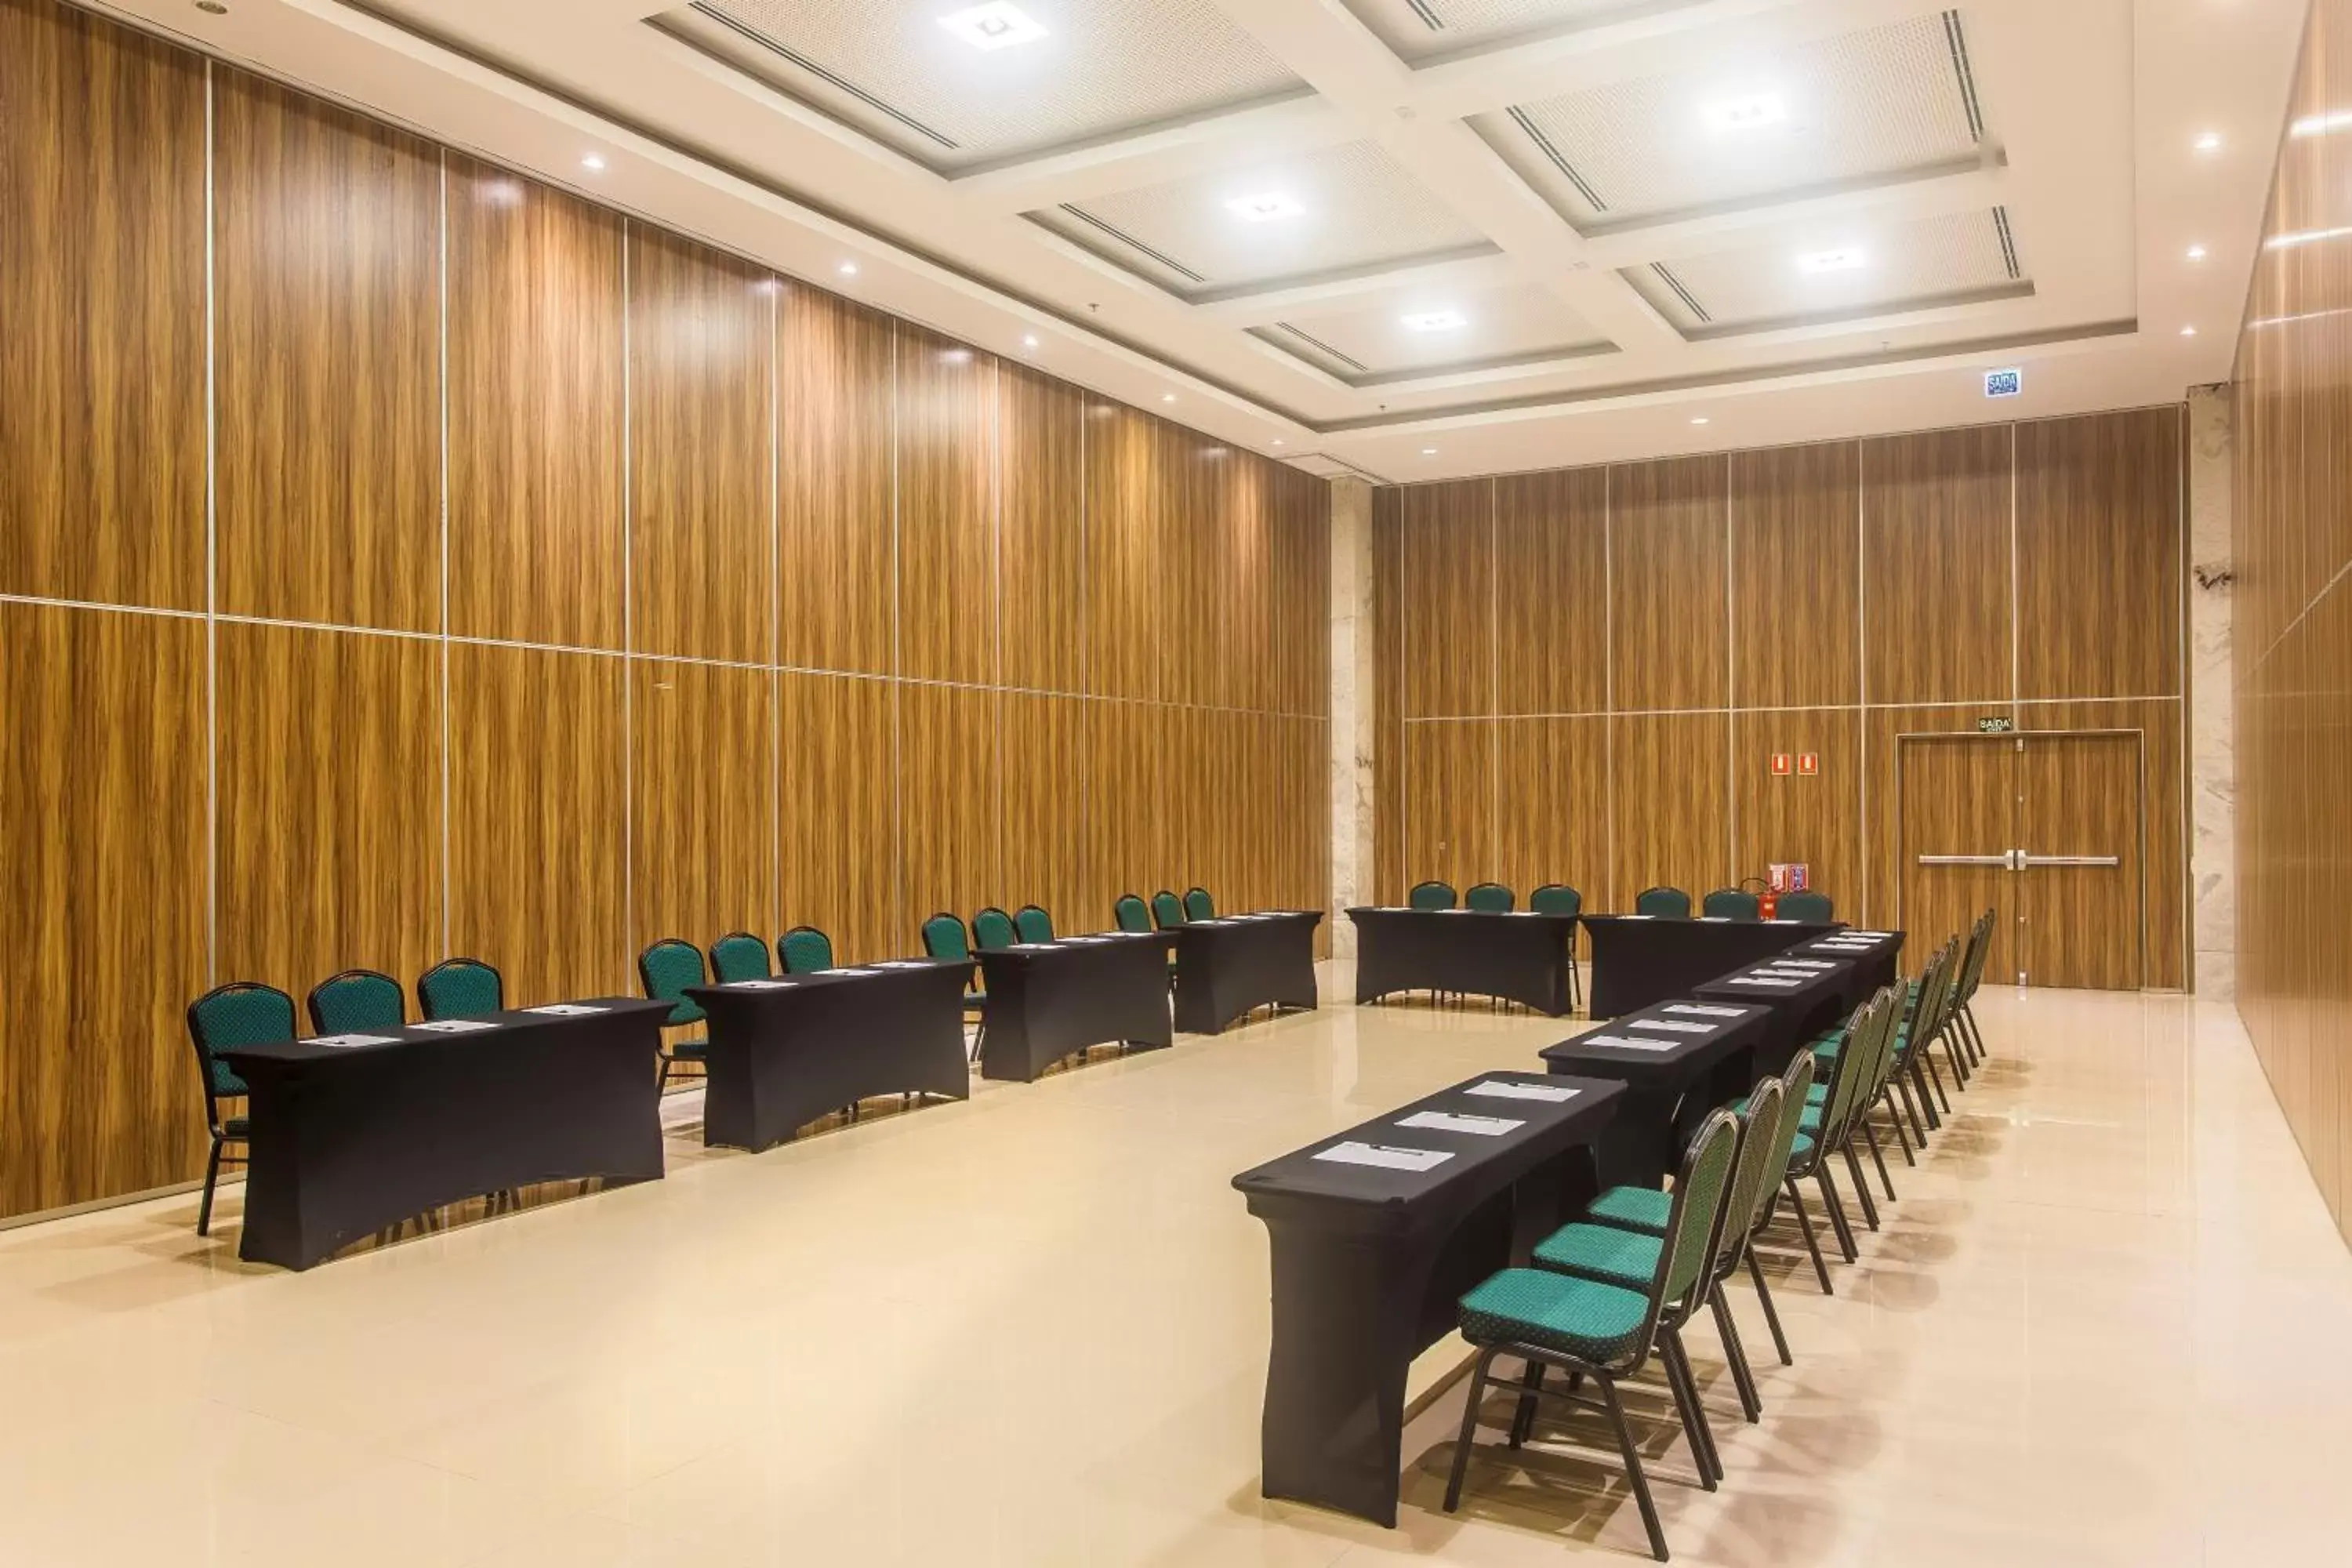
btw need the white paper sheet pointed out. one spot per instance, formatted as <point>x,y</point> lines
<point>759,985</point>
<point>1763,980</point>
<point>344,1042</point>
<point>1442,1122</point>
<point>457,1026</point>
<point>1805,963</point>
<point>845,972</point>
<point>1626,1043</point>
<point>1669,1027</point>
<point>565,1009</point>
<point>1386,1156</point>
<point>1702,1010</point>
<point>902,963</point>
<point>1495,1090</point>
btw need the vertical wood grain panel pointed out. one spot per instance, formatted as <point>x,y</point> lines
<point>535,412</point>
<point>326,256</point>
<point>1552,819</point>
<point>538,778</point>
<point>102,902</point>
<point>950,802</point>
<point>947,510</point>
<point>1449,778</point>
<point>2098,555</point>
<point>1300,596</point>
<point>1668,609</point>
<point>1796,575</point>
<point>1124,597</point>
<point>1935,548</point>
<point>702,347</point>
<point>1128,843</point>
<point>2164,855</point>
<point>1391,808</point>
<point>1045,782</point>
<point>1042,478</point>
<point>1551,592</point>
<point>836,543</point>
<point>1882,729</point>
<point>701,825</point>
<point>1241,535</point>
<point>102,291</point>
<point>1818,819</point>
<point>835,804</point>
<point>1671,818</point>
<point>1447,586</point>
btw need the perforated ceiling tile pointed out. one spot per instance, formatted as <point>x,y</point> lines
<point>1889,99</point>
<point>1330,211</point>
<point>1857,268</point>
<point>1424,29</point>
<point>1435,333</point>
<point>1016,78</point>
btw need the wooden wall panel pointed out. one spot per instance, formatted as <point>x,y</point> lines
<point>1796,576</point>
<point>1936,576</point>
<point>1818,819</point>
<point>102,883</point>
<point>951,804</point>
<point>1670,811</point>
<point>102,291</point>
<point>328,753</point>
<point>1391,811</point>
<point>1668,597</point>
<point>1188,495</point>
<point>1551,592</point>
<point>538,820</point>
<point>535,423</point>
<point>327,255</point>
<point>837,536</point>
<point>1045,787</point>
<point>947,510</point>
<point>1449,777</point>
<point>1041,471</point>
<point>1124,594</point>
<point>1447,588</point>
<point>836,807</point>
<point>2099,555</point>
<point>702,512</point>
<point>1882,824</point>
<point>1128,843</point>
<point>2164,856</point>
<point>1239,573</point>
<point>702,820</point>
<point>1299,639</point>
<point>1552,808</point>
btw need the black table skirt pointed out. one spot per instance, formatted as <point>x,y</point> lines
<point>1226,967</point>
<point>1668,1092</point>
<point>1520,957</point>
<point>1799,1012</point>
<point>1638,962</point>
<point>349,1141</point>
<point>1047,1001</point>
<point>783,1054</point>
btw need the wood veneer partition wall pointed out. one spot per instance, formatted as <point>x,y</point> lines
<point>593,587</point>
<point>2291,632</point>
<point>1583,674</point>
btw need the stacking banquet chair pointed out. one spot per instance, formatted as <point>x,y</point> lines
<point>356,1001</point>
<point>1167,908</point>
<point>1133,915</point>
<point>1198,905</point>
<point>1430,896</point>
<point>805,950</point>
<point>1972,968</point>
<point>992,930</point>
<point>1034,923</point>
<point>1663,904</point>
<point>1560,899</point>
<point>1491,898</point>
<point>944,937</point>
<point>241,1013</point>
<point>739,955</point>
<point>1815,908</point>
<point>460,988</point>
<point>1605,1332</point>
<point>1730,904</point>
<point>1828,1126</point>
<point>667,969</point>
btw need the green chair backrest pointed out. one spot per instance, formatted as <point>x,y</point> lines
<point>1198,905</point>
<point>1759,1130</point>
<point>1856,1077</point>
<point>992,929</point>
<point>805,949</point>
<point>1556,898</point>
<point>1034,923</point>
<point>1795,1084</point>
<point>460,988</point>
<point>667,969</point>
<point>1167,908</point>
<point>944,936</point>
<point>1980,949</point>
<point>241,1013</point>
<point>739,955</point>
<point>1812,908</point>
<point>356,1001</point>
<point>1131,913</point>
<point>1731,904</point>
<point>1663,904</point>
<point>1697,1207</point>
<point>1430,896</point>
<point>1491,898</point>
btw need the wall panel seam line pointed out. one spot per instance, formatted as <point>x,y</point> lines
<point>897,669</point>
<point>1865,844</point>
<point>46,602</point>
<point>448,878</point>
<point>2016,586</point>
<point>775,609</point>
<point>1731,683</point>
<point>211,564</point>
<point>628,667</point>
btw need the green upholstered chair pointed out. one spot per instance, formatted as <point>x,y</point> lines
<point>356,1001</point>
<point>1167,908</point>
<point>992,930</point>
<point>666,969</point>
<point>1198,905</point>
<point>944,937</point>
<point>242,1013</point>
<point>1491,898</point>
<point>1034,923</point>
<point>460,988</point>
<point>1605,1333</point>
<point>1731,904</point>
<point>1972,968</point>
<point>739,955</point>
<point>1813,908</point>
<point>1430,896</point>
<point>1560,899</point>
<point>1827,1126</point>
<point>1131,913</point>
<point>805,950</point>
<point>1663,904</point>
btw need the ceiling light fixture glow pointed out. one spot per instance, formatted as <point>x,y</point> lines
<point>1167,397</point>
<point>1700,419</point>
<point>849,269</point>
<point>1751,113</point>
<point>1029,340</point>
<point>995,25</point>
<point>2188,332</point>
<point>1265,207</point>
<point>2209,142</point>
<point>2196,253</point>
<point>1434,320</point>
<point>1844,260</point>
<point>593,162</point>
<point>1429,451</point>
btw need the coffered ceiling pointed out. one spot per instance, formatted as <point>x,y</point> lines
<point>1416,237</point>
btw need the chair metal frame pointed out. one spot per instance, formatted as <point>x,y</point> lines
<point>424,1006</point>
<point>310,1002</point>
<point>216,1124</point>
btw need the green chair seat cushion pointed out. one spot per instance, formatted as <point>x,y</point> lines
<point>1560,1312</point>
<point>1816,1098</point>
<point>1645,1209</point>
<point>225,1082</point>
<point>1802,1150</point>
<point>1601,1252</point>
<point>1811,1121</point>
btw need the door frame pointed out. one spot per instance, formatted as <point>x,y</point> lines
<point>2019,738</point>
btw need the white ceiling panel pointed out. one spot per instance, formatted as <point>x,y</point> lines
<point>1436,332</point>
<point>1429,29</point>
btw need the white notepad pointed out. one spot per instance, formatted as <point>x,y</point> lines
<point>1386,1156</point>
<point>1762,980</point>
<point>456,1026</point>
<point>565,1009</point>
<point>1442,1122</point>
<point>759,985</point>
<point>845,972</point>
<point>1624,1044</point>
<point>1667,1026</point>
<point>343,1042</point>
<point>1034,946</point>
<point>1714,920</point>
<point>1870,935</point>
<point>1805,963</point>
<point>1094,938</point>
<point>1493,1089</point>
<point>904,963</point>
<point>1702,1010</point>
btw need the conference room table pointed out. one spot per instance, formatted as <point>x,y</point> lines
<point>1376,1232</point>
<point>1228,965</point>
<point>1678,1061</point>
<point>786,1050</point>
<point>1638,959</point>
<point>1518,955</point>
<point>1875,955</point>
<point>1049,999</point>
<point>351,1133</point>
<point>1805,995</point>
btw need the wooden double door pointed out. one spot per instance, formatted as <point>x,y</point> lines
<point>2046,829</point>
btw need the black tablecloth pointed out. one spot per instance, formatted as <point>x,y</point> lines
<point>1803,1003</point>
<point>1879,964</point>
<point>1636,962</point>
<point>786,1051</point>
<point>1048,999</point>
<point>1679,1061</point>
<point>1370,1262</point>
<point>349,1139</point>
<point>1224,967</point>
<point>1520,957</point>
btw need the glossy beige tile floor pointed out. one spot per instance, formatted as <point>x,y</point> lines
<point>2105,1325</point>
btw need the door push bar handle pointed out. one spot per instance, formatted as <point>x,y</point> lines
<point>2019,860</point>
<point>2002,860</point>
<point>2070,859</point>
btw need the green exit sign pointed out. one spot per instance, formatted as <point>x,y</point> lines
<point>1995,726</point>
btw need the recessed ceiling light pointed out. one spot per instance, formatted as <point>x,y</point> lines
<point>1265,206</point>
<point>1277,440</point>
<point>1029,340</point>
<point>2188,332</point>
<point>995,25</point>
<point>1434,320</point>
<point>591,162</point>
<point>2209,142</point>
<point>2321,124</point>
<point>1749,114</point>
<point>849,269</point>
<point>1843,261</point>
<point>1429,451</point>
<point>1700,419</point>
<point>2196,253</point>
<point>1167,397</point>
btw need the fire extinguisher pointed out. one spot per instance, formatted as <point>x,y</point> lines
<point>1767,905</point>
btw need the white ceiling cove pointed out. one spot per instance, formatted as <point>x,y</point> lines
<point>1416,238</point>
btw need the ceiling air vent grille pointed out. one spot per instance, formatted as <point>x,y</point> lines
<point>1559,161</point>
<point>833,79</point>
<point>1690,300</point>
<point>1320,347</point>
<point>2008,243</point>
<point>1112,231</point>
<point>1958,40</point>
<point>1427,13</point>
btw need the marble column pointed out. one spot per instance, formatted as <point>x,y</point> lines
<point>1351,706</point>
<point>2212,778</point>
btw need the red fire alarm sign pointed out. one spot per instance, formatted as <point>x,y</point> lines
<point>1780,765</point>
<point>1809,763</point>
